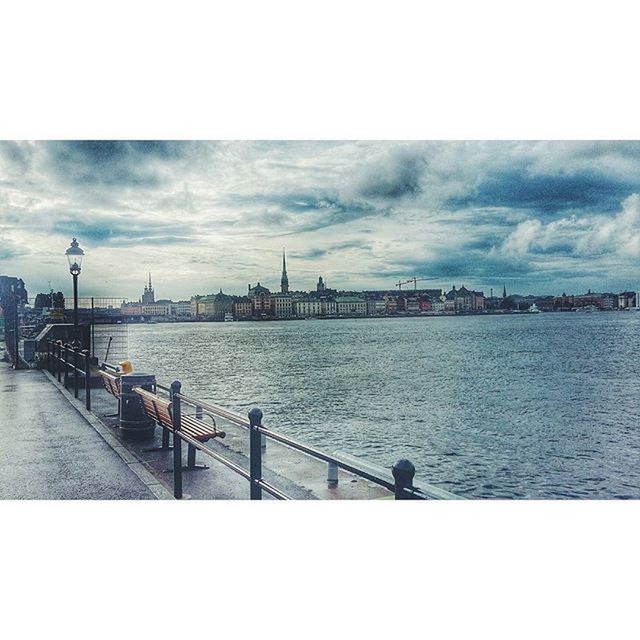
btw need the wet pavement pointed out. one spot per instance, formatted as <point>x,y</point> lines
<point>48,450</point>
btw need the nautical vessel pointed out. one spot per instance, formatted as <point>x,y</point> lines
<point>534,309</point>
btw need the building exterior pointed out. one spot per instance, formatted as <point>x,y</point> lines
<point>242,308</point>
<point>260,298</point>
<point>314,307</point>
<point>148,295</point>
<point>351,306</point>
<point>284,278</point>
<point>376,307</point>
<point>215,306</point>
<point>282,305</point>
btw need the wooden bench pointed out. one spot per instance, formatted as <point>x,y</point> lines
<point>111,383</point>
<point>159,410</point>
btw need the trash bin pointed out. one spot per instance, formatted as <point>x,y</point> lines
<point>134,423</point>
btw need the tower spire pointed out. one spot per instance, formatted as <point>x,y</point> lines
<point>284,280</point>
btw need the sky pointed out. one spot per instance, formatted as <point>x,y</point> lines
<point>539,217</point>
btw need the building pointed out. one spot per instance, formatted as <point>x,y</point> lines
<point>242,308</point>
<point>311,307</point>
<point>282,305</point>
<point>260,298</point>
<point>351,306</point>
<point>376,307</point>
<point>215,306</point>
<point>284,278</point>
<point>148,295</point>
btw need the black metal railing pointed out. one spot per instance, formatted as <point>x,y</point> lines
<point>64,361</point>
<point>400,484</point>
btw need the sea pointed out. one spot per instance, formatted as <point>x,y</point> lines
<point>496,406</point>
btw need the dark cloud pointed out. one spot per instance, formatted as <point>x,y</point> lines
<point>112,162</point>
<point>393,176</point>
<point>547,194</point>
<point>123,231</point>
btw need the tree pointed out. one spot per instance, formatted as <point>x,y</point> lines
<point>43,301</point>
<point>58,300</point>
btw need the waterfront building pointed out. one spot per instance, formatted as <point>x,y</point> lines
<point>284,278</point>
<point>260,300</point>
<point>351,306</point>
<point>437,304</point>
<point>626,300</point>
<point>148,295</point>
<point>376,307</point>
<point>412,305</point>
<point>215,306</point>
<point>314,307</point>
<point>180,308</point>
<point>282,305</point>
<point>242,308</point>
<point>390,304</point>
<point>450,301</point>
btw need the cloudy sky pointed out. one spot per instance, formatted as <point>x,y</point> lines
<point>542,217</point>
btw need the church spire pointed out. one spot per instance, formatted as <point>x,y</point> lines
<point>284,280</point>
<point>504,291</point>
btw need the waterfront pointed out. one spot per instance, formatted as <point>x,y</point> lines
<point>527,406</point>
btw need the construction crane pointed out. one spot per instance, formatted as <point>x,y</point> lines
<point>414,280</point>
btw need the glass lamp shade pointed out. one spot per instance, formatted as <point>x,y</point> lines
<point>74,256</point>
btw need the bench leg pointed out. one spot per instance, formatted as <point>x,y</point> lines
<point>191,461</point>
<point>191,456</point>
<point>165,442</point>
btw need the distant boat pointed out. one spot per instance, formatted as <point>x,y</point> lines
<point>228,317</point>
<point>534,309</point>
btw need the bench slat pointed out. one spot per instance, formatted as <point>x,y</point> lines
<point>159,409</point>
<point>111,383</point>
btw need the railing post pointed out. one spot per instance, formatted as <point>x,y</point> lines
<point>403,472</point>
<point>58,351</point>
<point>75,371</point>
<point>332,474</point>
<point>66,365</point>
<point>191,450</point>
<point>87,380</point>
<point>177,440</point>
<point>255,453</point>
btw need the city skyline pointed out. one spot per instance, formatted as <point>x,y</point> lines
<point>542,217</point>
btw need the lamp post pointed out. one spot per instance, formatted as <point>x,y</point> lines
<point>74,256</point>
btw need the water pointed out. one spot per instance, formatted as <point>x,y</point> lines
<point>525,406</point>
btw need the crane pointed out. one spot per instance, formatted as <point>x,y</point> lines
<point>414,280</point>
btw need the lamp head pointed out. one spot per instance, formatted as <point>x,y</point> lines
<point>74,256</point>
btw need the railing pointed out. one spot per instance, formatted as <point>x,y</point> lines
<point>64,361</point>
<point>403,472</point>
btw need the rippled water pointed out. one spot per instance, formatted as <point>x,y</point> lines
<point>526,406</point>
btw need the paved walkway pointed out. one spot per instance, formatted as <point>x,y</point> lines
<point>49,451</point>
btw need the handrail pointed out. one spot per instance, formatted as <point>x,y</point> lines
<point>276,493</point>
<point>427,492</point>
<point>399,482</point>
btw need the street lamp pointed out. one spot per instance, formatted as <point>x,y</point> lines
<point>74,256</point>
